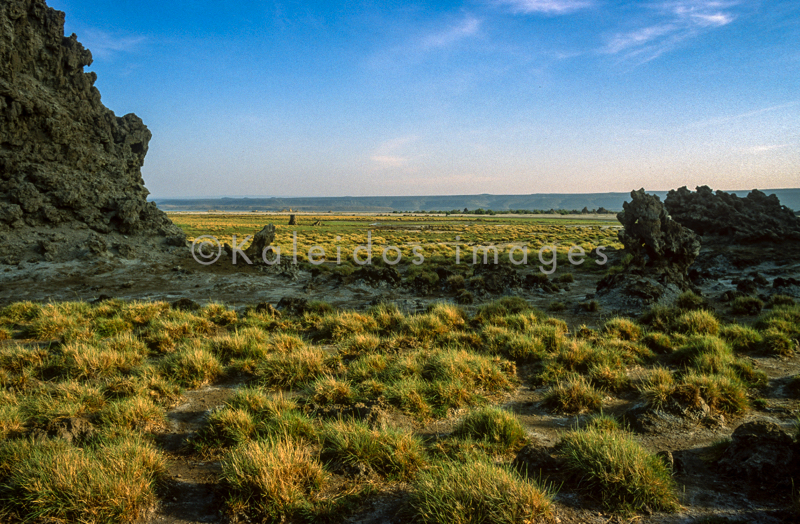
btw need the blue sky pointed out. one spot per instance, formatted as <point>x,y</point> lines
<point>481,96</point>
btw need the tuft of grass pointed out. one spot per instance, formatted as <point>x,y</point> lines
<point>741,338</point>
<point>132,413</point>
<point>574,395</point>
<point>700,322</point>
<point>327,390</point>
<point>659,343</point>
<point>774,301</point>
<point>660,318</point>
<point>111,480</point>
<point>658,387</point>
<point>492,426</point>
<point>623,329</point>
<point>192,367</point>
<point>288,370</point>
<point>565,278</point>
<point>340,325</point>
<point>689,301</point>
<point>353,445</point>
<point>618,470</point>
<point>591,306</point>
<point>556,306</point>
<point>776,342</point>
<point>477,492</point>
<point>747,306</point>
<point>721,393</point>
<point>273,481</point>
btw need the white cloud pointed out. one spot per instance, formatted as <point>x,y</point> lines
<point>673,23</point>
<point>464,29</point>
<point>550,7</point>
<point>390,154</point>
<point>757,150</point>
<point>104,44</point>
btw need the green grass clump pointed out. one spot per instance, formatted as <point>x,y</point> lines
<point>618,470</point>
<point>327,390</point>
<point>658,387</point>
<point>192,367</point>
<point>494,312</point>
<point>741,338</point>
<point>511,344</point>
<point>785,319</point>
<point>776,342</point>
<point>494,427</point>
<point>477,492</point>
<point>699,345</point>
<point>391,453</point>
<point>340,325</point>
<point>574,395</point>
<point>623,329</point>
<point>700,322</point>
<point>721,393</point>
<point>132,413</point>
<point>659,343</point>
<point>272,481</point>
<point>747,306</point>
<point>660,318</point>
<point>288,370</point>
<point>689,301</point>
<point>111,480</point>
<point>775,301</point>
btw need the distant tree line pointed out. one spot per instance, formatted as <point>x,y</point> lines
<point>481,211</point>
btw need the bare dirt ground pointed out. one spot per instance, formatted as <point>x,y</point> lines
<point>191,494</point>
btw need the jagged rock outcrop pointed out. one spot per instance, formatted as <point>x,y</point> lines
<point>69,168</point>
<point>755,218</point>
<point>658,252</point>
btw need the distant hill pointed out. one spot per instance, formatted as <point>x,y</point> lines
<point>611,201</point>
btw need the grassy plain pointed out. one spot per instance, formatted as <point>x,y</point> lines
<point>84,385</point>
<point>437,237</point>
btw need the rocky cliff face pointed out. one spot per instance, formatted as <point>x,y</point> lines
<point>755,218</point>
<point>70,170</point>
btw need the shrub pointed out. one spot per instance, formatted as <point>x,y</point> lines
<point>493,426</point>
<point>271,481</point>
<point>747,306</point>
<point>566,278</point>
<point>592,306</point>
<point>477,492</point>
<point>618,470</point>
<point>556,306</point>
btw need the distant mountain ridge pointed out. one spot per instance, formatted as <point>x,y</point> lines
<point>386,204</point>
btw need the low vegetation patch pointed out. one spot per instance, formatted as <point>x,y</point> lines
<point>618,471</point>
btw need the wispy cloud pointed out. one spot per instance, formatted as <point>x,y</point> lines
<point>672,23</point>
<point>447,37</point>
<point>390,154</point>
<point>104,45</point>
<point>749,114</point>
<point>549,7</point>
<point>758,150</point>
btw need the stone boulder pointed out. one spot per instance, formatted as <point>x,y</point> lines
<point>761,451</point>
<point>659,252</point>
<point>755,218</point>
<point>261,240</point>
<point>68,164</point>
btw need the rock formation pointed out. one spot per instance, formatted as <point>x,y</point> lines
<point>755,218</point>
<point>70,179</point>
<point>658,252</point>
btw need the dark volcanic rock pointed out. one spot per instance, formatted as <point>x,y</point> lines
<point>660,249</point>
<point>760,451</point>
<point>67,163</point>
<point>755,218</point>
<point>375,276</point>
<point>261,240</point>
